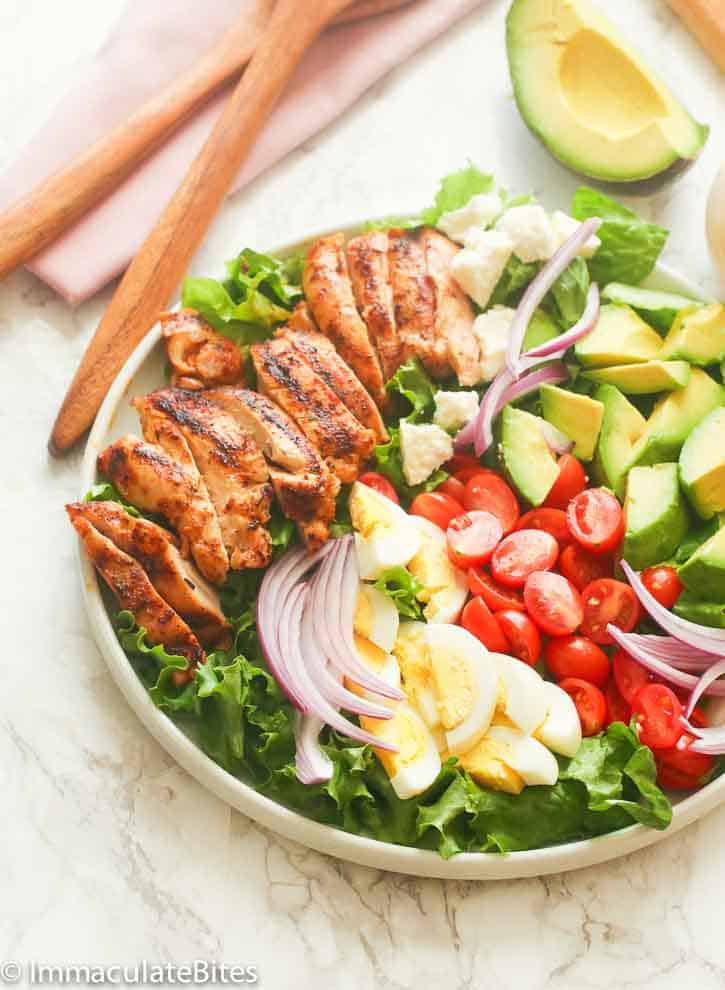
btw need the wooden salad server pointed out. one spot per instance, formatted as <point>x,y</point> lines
<point>42,215</point>
<point>159,266</point>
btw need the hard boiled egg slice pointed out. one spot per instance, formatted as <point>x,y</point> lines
<point>417,763</point>
<point>526,756</point>
<point>561,730</point>
<point>376,617</point>
<point>382,663</point>
<point>385,535</point>
<point>466,684</point>
<point>445,587</point>
<point>411,650</point>
<point>523,701</point>
<point>486,764</point>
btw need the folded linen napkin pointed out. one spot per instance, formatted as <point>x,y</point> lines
<point>150,45</point>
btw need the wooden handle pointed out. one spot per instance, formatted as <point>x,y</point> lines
<point>706,20</point>
<point>164,258</point>
<point>42,215</point>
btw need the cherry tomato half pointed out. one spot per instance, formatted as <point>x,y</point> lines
<point>522,553</point>
<point>524,641</point>
<point>663,583</point>
<point>436,508</point>
<point>478,619</point>
<point>630,676</point>
<point>590,704</point>
<point>581,568</point>
<point>553,603</point>
<point>550,520</point>
<point>472,538</point>
<point>572,480</point>
<point>463,466</point>
<point>605,601</point>
<point>658,712</point>
<point>379,483</point>
<point>617,708</point>
<point>682,769</point>
<point>670,779</point>
<point>577,656</point>
<point>596,520</point>
<point>453,487</point>
<point>495,595</point>
<point>488,491</point>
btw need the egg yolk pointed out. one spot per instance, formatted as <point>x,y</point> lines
<point>455,688</point>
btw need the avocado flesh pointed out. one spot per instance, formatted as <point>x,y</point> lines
<point>578,416</point>
<point>691,607</point>
<point>620,337</point>
<point>587,95</point>
<point>674,417</point>
<point>622,426</point>
<point>702,465</point>
<point>528,461</point>
<point>656,514</point>
<point>697,336</point>
<point>659,309</point>
<point>704,572</point>
<point>645,378</point>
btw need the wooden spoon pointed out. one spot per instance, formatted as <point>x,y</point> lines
<point>164,258</point>
<point>42,215</point>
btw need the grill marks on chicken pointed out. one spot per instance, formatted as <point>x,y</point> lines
<point>367,259</point>
<point>199,356</point>
<point>176,580</point>
<point>286,378</point>
<point>135,593</point>
<point>149,478</point>
<point>329,295</point>
<point>304,485</point>
<point>230,462</point>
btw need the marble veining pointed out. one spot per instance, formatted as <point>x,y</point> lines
<point>110,853</point>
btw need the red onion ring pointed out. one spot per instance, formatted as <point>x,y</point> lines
<point>657,666</point>
<point>312,765</point>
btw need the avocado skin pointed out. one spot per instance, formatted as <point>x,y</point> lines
<point>657,517</point>
<point>704,572</point>
<point>703,456</point>
<point>705,613</point>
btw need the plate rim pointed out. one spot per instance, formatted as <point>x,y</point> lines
<point>291,824</point>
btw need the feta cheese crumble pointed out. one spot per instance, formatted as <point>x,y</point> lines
<point>531,231</point>
<point>492,330</point>
<point>477,214</point>
<point>564,226</point>
<point>455,409</point>
<point>478,266</point>
<point>424,448</point>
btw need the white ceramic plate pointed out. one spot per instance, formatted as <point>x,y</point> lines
<point>144,372</point>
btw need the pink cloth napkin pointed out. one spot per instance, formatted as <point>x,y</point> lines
<point>150,45</point>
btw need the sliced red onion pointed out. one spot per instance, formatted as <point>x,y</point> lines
<point>538,288</point>
<point>559,345</point>
<point>556,441</point>
<point>313,766</point>
<point>700,637</point>
<point>708,678</point>
<point>672,651</point>
<point>660,667</point>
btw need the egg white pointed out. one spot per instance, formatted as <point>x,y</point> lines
<point>561,730</point>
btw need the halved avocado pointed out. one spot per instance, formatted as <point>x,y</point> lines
<point>589,97</point>
<point>645,378</point>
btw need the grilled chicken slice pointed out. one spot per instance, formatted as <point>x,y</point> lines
<point>453,329</point>
<point>301,319</point>
<point>199,356</point>
<point>414,299</point>
<point>287,379</point>
<point>231,465</point>
<point>367,259</point>
<point>320,354</point>
<point>176,580</point>
<point>151,479</point>
<point>304,485</point>
<point>328,291</point>
<point>136,594</point>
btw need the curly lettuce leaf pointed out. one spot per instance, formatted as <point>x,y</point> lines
<point>403,589</point>
<point>456,190</point>
<point>411,382</point>
<point>630,246</point>
<point>516,276</point>
<point>568,295</point>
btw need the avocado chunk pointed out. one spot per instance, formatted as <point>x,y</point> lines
<point>702,465</point>
<point>674,417</point>
<point>697,336</point>
<point>576,415</point>
<point>622,426</point>
<point>656,514</point>
<point>645,378</point>
<point>704,572</point>
<point>620,337</point>
<point>689,606</point>
<point>659,309</point>
<point>528,461</point>
<point>589,97</point>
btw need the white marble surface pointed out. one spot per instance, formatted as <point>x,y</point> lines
<point>108,852</point>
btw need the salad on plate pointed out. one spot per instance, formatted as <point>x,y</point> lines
<point>422,538</point>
